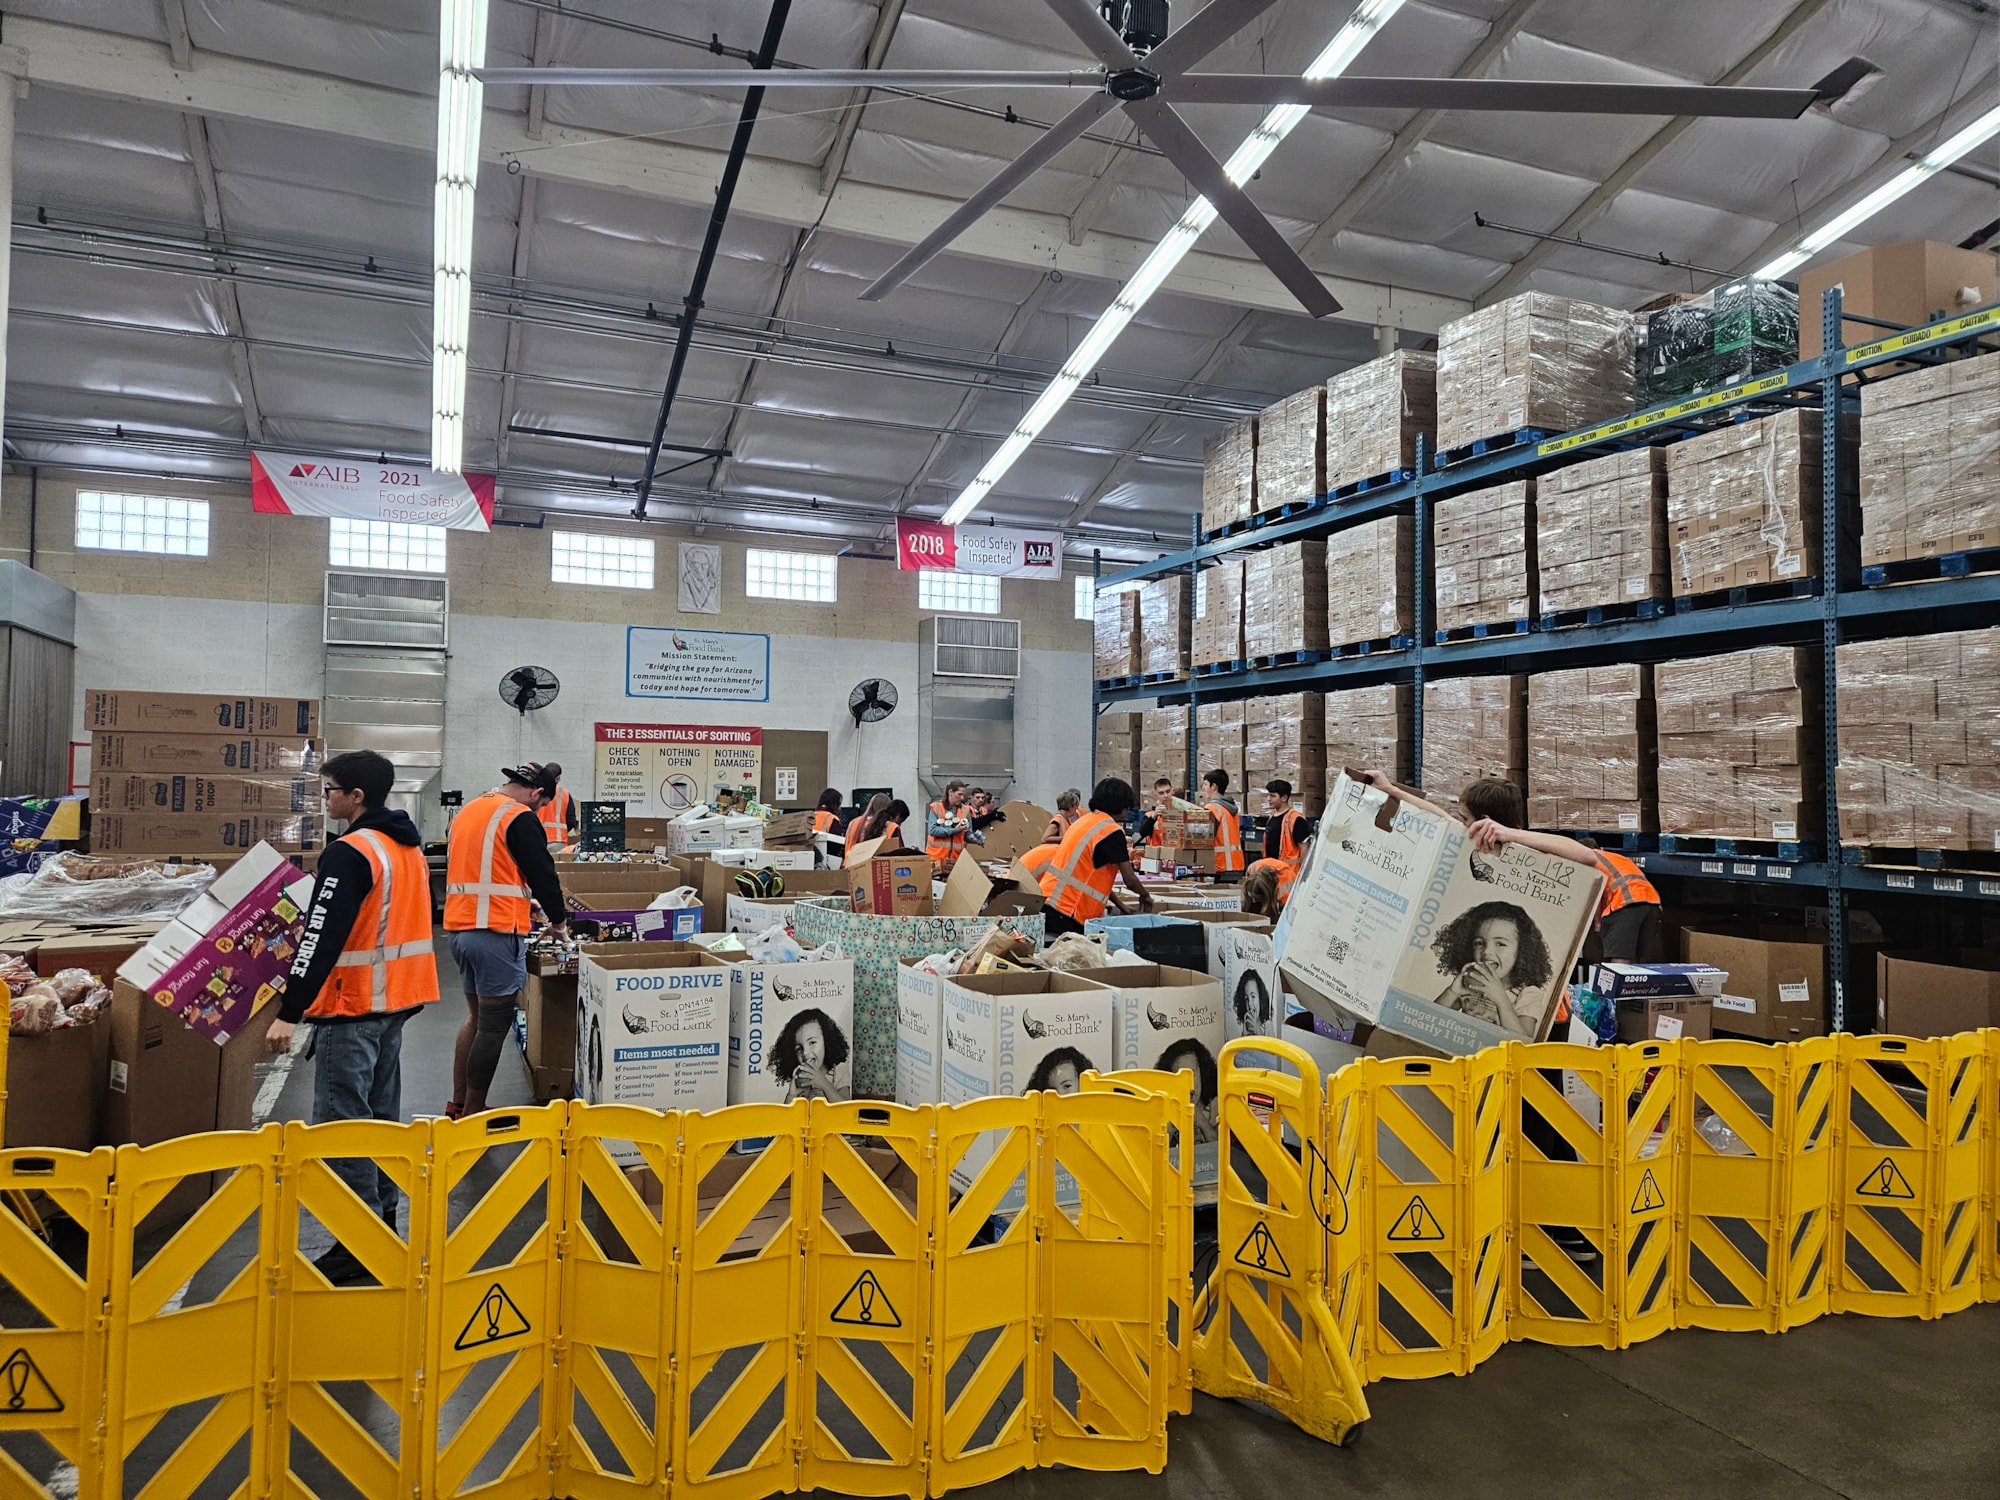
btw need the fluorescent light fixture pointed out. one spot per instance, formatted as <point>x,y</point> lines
<point>1368,18</point>
<point>461,48</point>
<point>1976,134</point>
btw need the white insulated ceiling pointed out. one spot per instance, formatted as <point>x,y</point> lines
<point>222,218</point>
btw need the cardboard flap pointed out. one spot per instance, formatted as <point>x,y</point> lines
<point>888,843</point>
<point>971,891</point>
<point>1022,829</point>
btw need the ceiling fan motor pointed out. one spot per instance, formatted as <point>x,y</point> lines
<point>1142,23</point>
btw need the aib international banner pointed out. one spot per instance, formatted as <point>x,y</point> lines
<point>291,484</point>
<point>992,550</point>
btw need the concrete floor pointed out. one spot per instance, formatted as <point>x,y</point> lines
<point>1851,1407</point>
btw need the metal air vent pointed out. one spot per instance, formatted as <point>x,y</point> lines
<point>972,646</point>
<point>386,609</point>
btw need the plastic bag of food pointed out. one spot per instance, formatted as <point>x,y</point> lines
<point>73,886</point>
<point>34,1012</point>
<point>996,942</point>
<point>1073,951</point>
<point>71,985</point>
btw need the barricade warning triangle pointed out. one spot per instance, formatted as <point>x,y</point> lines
<point>1416,1224</point>
<point>1649,1196</point>
<point>1884,1180</point>
<point>494,1319</point>
<point>1260,1252</point>
<point>23,1388</point>
<point>866,1305</point>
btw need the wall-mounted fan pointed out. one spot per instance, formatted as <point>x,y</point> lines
<point>1143,67</point>
<point>872,701</point>
<point>529,687</point>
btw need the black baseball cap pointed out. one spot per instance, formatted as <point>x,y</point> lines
<point>1278,788</point>
<point>529,774</point>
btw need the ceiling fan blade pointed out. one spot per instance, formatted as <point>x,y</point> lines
<point>1490,94</point>
<point>1190,43</point>
<point>1009,177</point>
<point>1106,45</point>
<point>789,78</point>
<point>1184,149</point>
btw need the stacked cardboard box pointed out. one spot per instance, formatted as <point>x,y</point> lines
<point>1291,449</point>
<point>1908,283</point>
<point>1591,753</point>
<point>1485,556</point>
<point>1536,360</point>
<point>1930,461</point>
<point>1284,737</point>
<point>1920,741</point>
<point>1703,343</point>
<point>1368,572</point>
<point>1743,503</point>
<point>1117,635</point>
<point>1119,736</point>
<point>1163,627</point>
<point>1374,413</point>
<point>1368,729</point>
<point>1219,739</point>
<point>198,774</point>
<point>1218,612</point>
<point>1600,531</point>
<point>1473,727</point>
<point>1739,744</point>
<point>1163,749</point>
<point>1229,476</point>
<point>1284,599</point>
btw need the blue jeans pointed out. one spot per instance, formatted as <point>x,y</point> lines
<point>358,1075</point>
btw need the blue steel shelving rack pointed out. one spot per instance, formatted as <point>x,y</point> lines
<point>1843,610</point>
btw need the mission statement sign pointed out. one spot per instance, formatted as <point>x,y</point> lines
<point>723,664</point>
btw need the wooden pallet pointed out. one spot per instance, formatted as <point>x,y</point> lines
<point>1289,659</point>
<point>1753,593</point>
<point>1618,841</point>
<point>1221,668</point>
<point>1788,850</point>
<point>1375,647</point>
<point>1500,442</point>
<point>1943,565</point>
<point>1367,486</point>
<point>1605,614</point>
<point>1481,632</point>
<point>1972,861</point>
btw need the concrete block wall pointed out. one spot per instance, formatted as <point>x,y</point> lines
<point>248,617</point>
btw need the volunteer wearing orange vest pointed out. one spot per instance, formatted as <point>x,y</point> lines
<point>1037,861</point>
<point>558,816</point>
<point>364,967</point>
<point>947,826</point>
<point>1286,832</point>
<point>1163,802</point>
<point>1093,856</point>
<point>826,819</point>
<point>496,859</point>
<point>1228,827</point>
<point>1069,807</point>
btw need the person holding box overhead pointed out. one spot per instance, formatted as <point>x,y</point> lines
<point>364,967</point>
<point>496,859</point>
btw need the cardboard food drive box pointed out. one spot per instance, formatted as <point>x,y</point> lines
<point>1017,1031</point>
<point>1400,922</point>
<point>791,1031</point>
<point>919,1034</point>
<point>1170,1020</point>
<point>652,1028</point>
<point>886,881</point>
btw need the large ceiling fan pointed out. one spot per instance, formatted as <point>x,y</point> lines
<point>1144,71</point>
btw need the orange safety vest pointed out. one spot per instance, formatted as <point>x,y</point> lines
<point>825,822</point>
<point>1228,838</point>
<point>387,964</point>
<point>1074,885</point>
<point>1059,825</point>
<point>1040,862</point>
<point>944,849</point>
<point>482,884</point>
<point>1156,838</point>
<point>554,818</point>
<point>1624,883</point>
<point>1288,847</point>
<point>1288,875</point>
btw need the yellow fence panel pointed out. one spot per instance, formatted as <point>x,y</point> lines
<point>1267,1331</point>
<point>1989,1232</point>
<point>1106,1362</point>
<point>495,1209</point>
<point>51,1329</point>
<point>1349,1132</point>
<point>614,1395</point>
<point>332,1343</point>
<point>1891,1175</point>
<point>1731,1261</point>
<point>1965,1140</point>
<point>192,1316</point>
<point>866,1382</point>
<point>1563,1209</point>
<point>1647,1194</point>
<point>985,1307</point>
<point>736,1392</point>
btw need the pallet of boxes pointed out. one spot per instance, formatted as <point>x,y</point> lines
<point>185,781</point>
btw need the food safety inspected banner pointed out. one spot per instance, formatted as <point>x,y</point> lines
<point>697,664</point>
<point>660,770</point>
<point>991,550</point>
<point>290,484</point>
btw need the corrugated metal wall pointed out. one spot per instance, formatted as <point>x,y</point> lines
<point>37,686</point>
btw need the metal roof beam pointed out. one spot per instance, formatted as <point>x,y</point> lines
<point>886,20</point>
<point>194,130</point>
<point>107,65</point>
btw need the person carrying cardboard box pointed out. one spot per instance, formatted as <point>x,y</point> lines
<point>1093,856</point>
<point>495,860</point>
<point>364,967</point>
<point>558,815</point>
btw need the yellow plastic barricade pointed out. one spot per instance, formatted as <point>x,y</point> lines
<point>1103,1339</point>
<point>739,1322</point>
<point>1562,1193</point>
<point>1133,1145</point>
<point>1265,1330</point>
<point>985,1289</point>
<point>1965,1139</point>
<point>1758,1157</point>
<point>867,1382</point>
<point>1350,1132</point>
<point>1646,1192</point>
<point>51,1367</point>
<point>330,1338</point>
<point>622,1246</point>
<point>191,1321</point>
<point>494,1214</point>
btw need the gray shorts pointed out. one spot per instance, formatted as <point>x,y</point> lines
<point>490,963</point>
